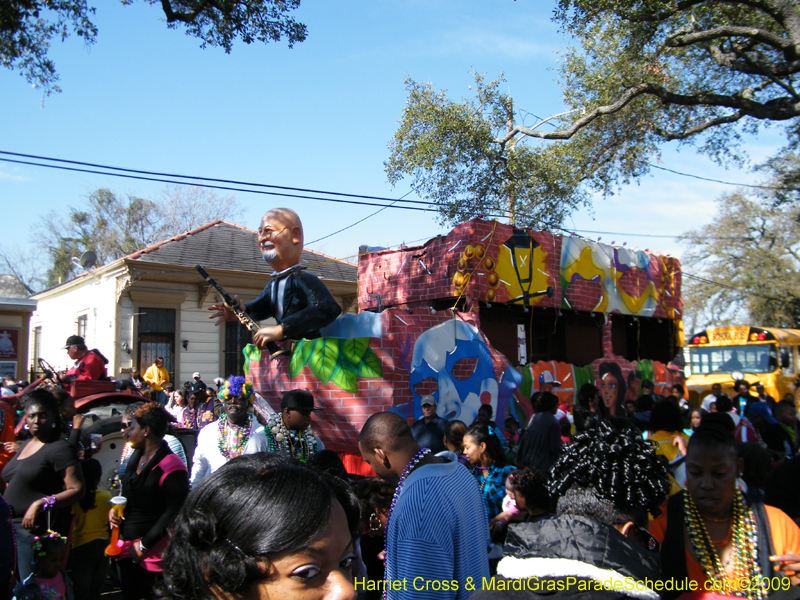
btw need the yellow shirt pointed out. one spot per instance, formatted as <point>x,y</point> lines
<point>155,374</point>
<point>92,525</point>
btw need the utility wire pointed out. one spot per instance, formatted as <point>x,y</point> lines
<point>156,176</point>
<point>747,185</point>
<point>325,237</point>
<point>223,187</point>
<point>198,178</point>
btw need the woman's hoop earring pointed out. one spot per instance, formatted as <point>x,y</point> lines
<point>374,522</point>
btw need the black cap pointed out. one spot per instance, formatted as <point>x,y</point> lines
<point>74,340</point>
<point>299,400</point>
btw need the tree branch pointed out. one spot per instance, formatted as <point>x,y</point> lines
<point>187,17</point>
<point>679,39</point>
<point>777,109</point>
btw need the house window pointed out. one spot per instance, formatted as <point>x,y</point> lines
<point>237,336</point>
<point>82,320</point>
<point>157,338</point>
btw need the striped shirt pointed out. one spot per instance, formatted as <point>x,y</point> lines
<point>438,536</point>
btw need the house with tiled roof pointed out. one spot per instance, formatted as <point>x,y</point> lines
<point>154,303</point>
<point>15,312</point>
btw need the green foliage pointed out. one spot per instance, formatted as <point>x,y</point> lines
<point>640,73</point>
<point>370,366</point>
<point>745,265</point>
<point>221,23</point>
<point>301,350</point>
<point>354,349</point>
<point>702,72</point>
<point>336,360</point>
<point>114,226</point>
<point>450,151</point>
<point>28,26</point>
<point>110,226</point>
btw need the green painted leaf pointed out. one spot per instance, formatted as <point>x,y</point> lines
<point>354,349</point>
<point>370,366</point>
<point>345,376</point>
<point>300,353</point>
<point>526,387</point>
<point>323,358</point>
<point>250,352</point>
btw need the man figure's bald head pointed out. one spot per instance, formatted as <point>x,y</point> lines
<point>280,238</point>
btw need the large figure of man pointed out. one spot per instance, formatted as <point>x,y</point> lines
<point>437,527</point>
<point>297,300</point>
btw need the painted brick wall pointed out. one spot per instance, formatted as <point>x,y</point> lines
<point>422,274</point>
<point>460,264</point>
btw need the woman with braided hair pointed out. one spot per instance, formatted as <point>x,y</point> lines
<point>597,546</point>
<point>715,535</point>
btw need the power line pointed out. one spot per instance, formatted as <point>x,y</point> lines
<point>161,177</point>
<point>224,187</point>
<point>647,235</point>
<point>747,185</point>
<point>325,237</point>
<point>199,178</point>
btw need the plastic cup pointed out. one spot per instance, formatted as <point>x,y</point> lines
<point>113,548</point>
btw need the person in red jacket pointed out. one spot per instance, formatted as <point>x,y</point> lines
<point>89,364</point>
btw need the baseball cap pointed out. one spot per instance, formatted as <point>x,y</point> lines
<point>299,400</point>
<point>761,409</point>
<point>547,377</point>
<point>74,340</point>
<point>195,375</point>
<point>427,399</point>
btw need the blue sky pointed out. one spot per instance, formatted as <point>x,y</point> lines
<point>317,116</point>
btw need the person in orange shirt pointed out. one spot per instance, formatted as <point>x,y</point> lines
<point>715,535</point>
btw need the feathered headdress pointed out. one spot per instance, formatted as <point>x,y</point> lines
<point>234,387</point>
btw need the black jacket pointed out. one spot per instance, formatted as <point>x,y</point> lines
<point>546,553</point>
<point>307,305</point>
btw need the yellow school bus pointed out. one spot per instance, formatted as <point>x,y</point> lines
<point>756,354</point>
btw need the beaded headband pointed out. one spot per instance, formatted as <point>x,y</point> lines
<point>236,387</point>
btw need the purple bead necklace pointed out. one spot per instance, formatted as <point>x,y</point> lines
<point>406,472</point>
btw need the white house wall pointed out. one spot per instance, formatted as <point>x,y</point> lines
<point>57,314</point>
<point>205,342</point>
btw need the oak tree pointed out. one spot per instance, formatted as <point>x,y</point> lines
<point>745,264</point>
<point>28,26</point>
<point>640,73</point>
<point>114,226</point>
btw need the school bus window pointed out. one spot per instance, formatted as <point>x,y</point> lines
<point>762,358</point>
<point>787,360</point>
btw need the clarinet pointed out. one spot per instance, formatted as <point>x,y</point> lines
<point>243,317</point>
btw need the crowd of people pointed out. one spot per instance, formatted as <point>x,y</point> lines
<point>647,501</point>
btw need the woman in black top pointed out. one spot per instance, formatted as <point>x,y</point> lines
<point>43,477</point>
<point>155,485</point>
